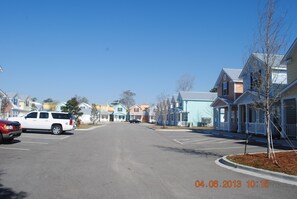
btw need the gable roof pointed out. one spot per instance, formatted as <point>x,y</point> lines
<point>190,95</point>
<point>289,53</point>
<point>276,62</point>
<point>232,73</point>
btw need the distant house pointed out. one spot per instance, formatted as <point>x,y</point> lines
<point>86,109</point>
<point>229,87</point>
<point>152,113</point>
<point>194,108</point>
<point>289,94</point>
<point>21,104</point>
<point>105,111</point>
<point>120,112</point>
<point>49,106</point>
<point>136,112</point>
<point>251,119</point>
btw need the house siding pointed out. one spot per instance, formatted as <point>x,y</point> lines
<point>292,69</point>
<point>198,110</point>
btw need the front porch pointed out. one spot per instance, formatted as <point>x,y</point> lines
<point>251,120</point>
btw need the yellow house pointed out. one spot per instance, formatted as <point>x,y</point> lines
<point>49,106</point>
<point>105,112</point>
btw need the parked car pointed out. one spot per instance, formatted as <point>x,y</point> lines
<point>9,130</point>
<point>134,121</point>
<point>56,122</point>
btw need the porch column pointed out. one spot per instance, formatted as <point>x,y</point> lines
<point>247,118</point>
<point>219,119</point>
<point>229,117</point>
<point>283,125</point>
<point>239,119</point>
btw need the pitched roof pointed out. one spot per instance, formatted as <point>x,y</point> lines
<point>275,59</point>
<point>289,53</point>
<point>232,73</point>
<point>190,95</point>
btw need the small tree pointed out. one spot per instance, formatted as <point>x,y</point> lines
<point>73,108</point>
<point>162,108</point>
<point>269,43</point>
<point>94,114</point>
<point>127,99</point>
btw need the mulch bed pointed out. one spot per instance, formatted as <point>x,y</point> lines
<point>286,162</point>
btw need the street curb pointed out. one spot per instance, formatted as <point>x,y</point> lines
<point>271,175</point>
<point>91,128</point>
<point>173,130</point>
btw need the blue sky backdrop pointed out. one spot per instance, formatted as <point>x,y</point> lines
<point>97,49</point>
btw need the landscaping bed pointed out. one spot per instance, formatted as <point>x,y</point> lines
<point>286,161</point>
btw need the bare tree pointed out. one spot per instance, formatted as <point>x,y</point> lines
<point>94,114</point>
<point>5,105</point>
<point>162,108</point>
<point>185,83</point>
<point>265,80</point>
<point>127,99</point>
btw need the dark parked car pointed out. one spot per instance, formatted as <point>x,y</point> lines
<point>134,121</point>
<point>9,130</point>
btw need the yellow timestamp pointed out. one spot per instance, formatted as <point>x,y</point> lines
<point>229,184</point>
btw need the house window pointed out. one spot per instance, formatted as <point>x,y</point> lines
<point>15,101</point>
<point>185,117</point>
<point>136,109</point>
<point>225,88</point>
<point>120,109</point>
<point>255,79</point>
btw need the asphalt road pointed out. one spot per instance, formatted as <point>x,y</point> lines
<point>127,161</point>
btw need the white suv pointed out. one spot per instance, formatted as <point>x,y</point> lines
<point>57,122</point>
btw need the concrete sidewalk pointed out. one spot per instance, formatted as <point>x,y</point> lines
<point>253,139</point>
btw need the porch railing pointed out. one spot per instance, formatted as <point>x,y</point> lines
<point>256,128</point>
<point>223,126</point>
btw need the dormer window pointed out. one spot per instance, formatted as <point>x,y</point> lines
<point>136,109</point>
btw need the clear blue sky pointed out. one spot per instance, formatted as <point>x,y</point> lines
<point>97,49</point>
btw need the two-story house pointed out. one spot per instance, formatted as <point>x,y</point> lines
<point>105,111</point>
<point>86,109</point>
<point>136,112</point>
<point>289,94</point>
<point>152,113</point>
<point>120,112</point>
<point>251,118</point>
<point>229,87</point>
<point>194,108</point>
<point>21,104</point>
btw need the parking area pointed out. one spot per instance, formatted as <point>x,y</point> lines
<point>216,143</point>
<point>34,140</point>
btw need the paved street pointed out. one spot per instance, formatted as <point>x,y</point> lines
<point>127,161</point>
